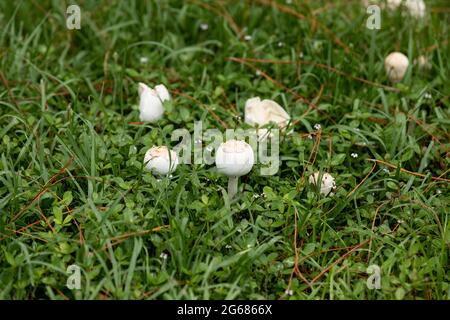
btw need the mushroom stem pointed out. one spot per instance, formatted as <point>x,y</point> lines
<point>232,186</point>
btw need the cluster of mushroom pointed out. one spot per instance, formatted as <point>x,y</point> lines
<point>234,158</point>
<point>396,63</point>
<point>415,8</point>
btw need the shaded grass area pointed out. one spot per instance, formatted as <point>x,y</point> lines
<point>72,188</point>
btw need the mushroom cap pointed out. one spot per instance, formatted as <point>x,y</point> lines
<point>416,8</point>
<point>396,65</point>
<point>162,92</point>
<point>393,4</point>
<point>263,112</point>
<point>327,184</point>
<point>150,106</point>
<point>423,63</point>
<point>234,158</point>
<point>160,160</point>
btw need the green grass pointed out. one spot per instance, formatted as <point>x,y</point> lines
<point>72,188</point>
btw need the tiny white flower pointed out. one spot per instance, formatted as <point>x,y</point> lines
<point>247,37</point>
<point>256,196</point>
<point>300,55</point>
<point>438,191</point>
<point>204,26</point>
<point>163,255</point>
<point>317,126</point>
<point>400,221</point>
<point>239,230</point>
<point>386,170</point>
<point>258,73</point>
<point>310,136</point>
<point>289,292</point>
<point>427,96</point>
<point>143,60</point>
<point>228,246</point>
<point>354,155</point>
<point>280,44</point>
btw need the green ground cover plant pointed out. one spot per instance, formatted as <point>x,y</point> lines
<point>73,190</point>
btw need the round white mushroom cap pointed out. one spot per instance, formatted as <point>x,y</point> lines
<point>160,160</point>
<point>327,185</point>
<point>396,65</point>
<point>234,158</point>
<point>151,108</point>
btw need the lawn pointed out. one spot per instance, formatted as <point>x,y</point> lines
<point>74,195</point>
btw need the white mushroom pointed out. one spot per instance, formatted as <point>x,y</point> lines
<point>423,63</point>
<point>416,8</point>
<point>160,160</point>
<point>260,113</point>
<point>151,102</point>
<point>396,65</point>
<point>162,92</point>
<point>327,184</point>
<point>234,158</point>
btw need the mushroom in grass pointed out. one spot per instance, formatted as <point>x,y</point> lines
<point>327,185</point>
<point>234,158</point>
<point>396,64</point>
<point>160,160</point>
<point>151,107</point>
<point>262,112</point>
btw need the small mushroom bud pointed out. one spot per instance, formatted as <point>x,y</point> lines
<point>423,63</point>
<point>234,158</point>
<point>396,65</point>
<point>327,184</point>
<point>151,101</point>
<point>160,160</point>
